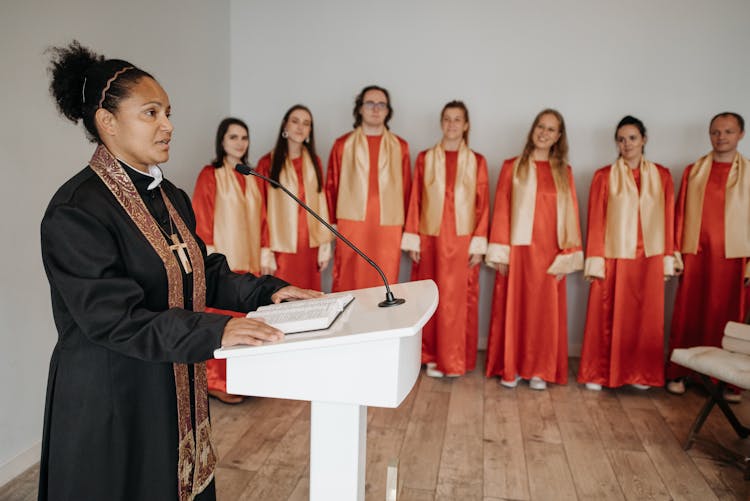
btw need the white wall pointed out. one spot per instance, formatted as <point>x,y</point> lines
<point>184,44</point>
<point>672,63</point>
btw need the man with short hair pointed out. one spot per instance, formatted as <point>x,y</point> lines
<point>712,233</point>
<point>368,187</point>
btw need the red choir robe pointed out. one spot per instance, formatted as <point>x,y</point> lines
<point>712,288</point>
<point>528,326</point>
<point>623,339</point>
<point>380,242</point>
<point>300,267</point>
<point>204,197</point>
<point>450,337</point>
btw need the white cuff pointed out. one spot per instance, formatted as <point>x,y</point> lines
<point>410,242</point>
<point>594,267</point>
<point>669,266</point>
<point>478,245</point>
<point>267,259</point>
<point>566,263</point>
<point>678,264</point>
<point>497,254</point>
<point>324,252</point>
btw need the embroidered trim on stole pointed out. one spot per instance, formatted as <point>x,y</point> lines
<point>196,459</point>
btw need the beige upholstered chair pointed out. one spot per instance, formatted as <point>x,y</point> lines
<point>729,364</point>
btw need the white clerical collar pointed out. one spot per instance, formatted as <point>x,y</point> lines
<point>154,171</point>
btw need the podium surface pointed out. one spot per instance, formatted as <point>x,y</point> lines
<point>370,356</point>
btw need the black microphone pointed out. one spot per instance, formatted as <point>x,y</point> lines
<point>390,299</point>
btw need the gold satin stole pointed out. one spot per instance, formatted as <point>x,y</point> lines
<point>282,210</point>
<point>625,203</point>
<point>433,191</point>
<point>736,207</point>
<point>523,205</point>
<point>237,220</point>
<point>354,180</point>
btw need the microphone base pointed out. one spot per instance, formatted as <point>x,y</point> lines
<point>391,300</point>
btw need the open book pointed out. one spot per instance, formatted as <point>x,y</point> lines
<point>304,315</point>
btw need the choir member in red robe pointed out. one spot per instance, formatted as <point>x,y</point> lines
<point>230,217</point>
<point>446,238</point>
<point>629,254</point>
<point>301,245</point>
<point>126,415</point>
<point>368,188</point>
<point>713,239</point>
<point>535,240</point>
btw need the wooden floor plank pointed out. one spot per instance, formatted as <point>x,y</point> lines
<point>538,421</point>
<point>231,482</point>
<point>423,442</point>
<point>461,463</point>
<point>593,475</point>
<point>383,445</point>
<point>677,470</point>
<point>264,432</point>
<point>637,476</point>
<point>505,473</point>
<point>549,475</point>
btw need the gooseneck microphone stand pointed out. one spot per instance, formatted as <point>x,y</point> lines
<point>390,299</point>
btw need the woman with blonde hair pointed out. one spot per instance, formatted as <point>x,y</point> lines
<point>535,240</point>
<point>446,238</point>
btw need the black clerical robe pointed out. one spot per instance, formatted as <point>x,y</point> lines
<point>110,420</point>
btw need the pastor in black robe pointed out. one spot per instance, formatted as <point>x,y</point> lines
<point>110,420</point>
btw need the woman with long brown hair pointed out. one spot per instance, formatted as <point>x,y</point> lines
<point>230,219</point>
<point>535,240</point>
<point>301,245</point>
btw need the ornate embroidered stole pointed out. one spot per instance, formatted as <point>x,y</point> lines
<point>237,220</point>
<point>736,207</point>
<point>433,191</point>
<point>624,203</point>
<point>196,459</point>
<point>282,210</point>
<point>523,205</point>
<point>354,180</point>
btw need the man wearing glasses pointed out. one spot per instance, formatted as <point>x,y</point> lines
<point>368,187</point>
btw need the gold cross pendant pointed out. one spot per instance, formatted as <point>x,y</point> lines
<point>180,248</point>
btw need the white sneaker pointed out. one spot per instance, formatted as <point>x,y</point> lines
<point>676,386</point>
<point>537,383</point>
<point>594,386</point>
<point>510,384</point>
<point>640,386</point>
<point>432,370</point>
<point>732,396</point>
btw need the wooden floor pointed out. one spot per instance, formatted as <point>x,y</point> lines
<point>471,439</point>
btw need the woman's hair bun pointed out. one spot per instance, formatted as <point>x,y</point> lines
<point>68,68</point>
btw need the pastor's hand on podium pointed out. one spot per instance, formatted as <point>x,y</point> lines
<point>290,293</point>
<point>249,331</point>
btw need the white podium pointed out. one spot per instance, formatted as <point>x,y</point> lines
<point>369,357</point>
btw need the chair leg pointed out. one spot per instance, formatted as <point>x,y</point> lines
<point>716,392</point>
<point>698,423</point>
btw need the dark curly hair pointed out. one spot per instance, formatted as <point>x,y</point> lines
<point>360,100</point>
<point>84,81</point>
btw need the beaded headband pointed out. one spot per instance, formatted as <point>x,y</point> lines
<point>109,82</point>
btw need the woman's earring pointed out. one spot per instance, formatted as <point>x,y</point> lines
<point>284,134</point>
